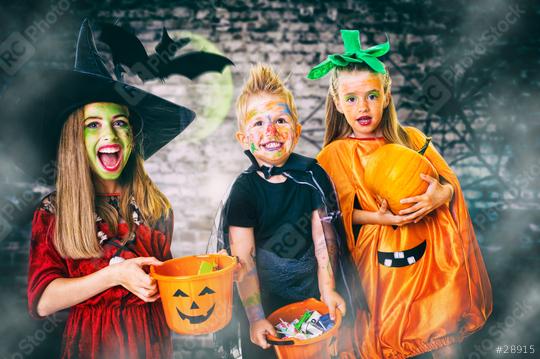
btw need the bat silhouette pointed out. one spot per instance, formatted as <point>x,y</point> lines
<point>127,49</point>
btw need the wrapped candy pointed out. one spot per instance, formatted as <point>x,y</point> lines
<point>310,325</point>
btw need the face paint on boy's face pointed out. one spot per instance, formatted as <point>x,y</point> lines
<point>362,100</point>
<point>108,138</point>
<point>269,130</point>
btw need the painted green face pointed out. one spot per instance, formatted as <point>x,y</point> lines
<point>108,138</point>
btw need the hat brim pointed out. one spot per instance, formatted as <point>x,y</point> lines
<point>37,105</point>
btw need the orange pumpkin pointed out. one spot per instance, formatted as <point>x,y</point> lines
<point>393,172</point>
<point>196,303</point>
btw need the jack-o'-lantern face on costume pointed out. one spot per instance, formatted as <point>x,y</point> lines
<point>200,305</point>
<point>403,246</point>
<point>395,255</point>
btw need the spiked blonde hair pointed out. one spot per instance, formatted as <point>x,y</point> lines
<point>263,80</point>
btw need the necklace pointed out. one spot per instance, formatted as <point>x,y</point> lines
<point>103,238</point>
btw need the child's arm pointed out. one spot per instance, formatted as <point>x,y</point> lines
<point>382,216</point>
<point>63,293</point>
<point>437,194</point>
<point>325,274</point>
<point>242,242</point>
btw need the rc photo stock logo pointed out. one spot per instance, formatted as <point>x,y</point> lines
<point>435,93</point>
<point>15,51</point>
<point>286,242</point>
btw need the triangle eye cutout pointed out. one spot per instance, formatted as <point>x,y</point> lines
<point>205,291</point>
<point>179,293</point>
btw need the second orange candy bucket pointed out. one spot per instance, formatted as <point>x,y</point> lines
<point>316,348</point>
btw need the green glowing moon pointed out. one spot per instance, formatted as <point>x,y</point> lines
<point>210,95</point>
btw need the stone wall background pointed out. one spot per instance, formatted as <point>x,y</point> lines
<point>466,73</point>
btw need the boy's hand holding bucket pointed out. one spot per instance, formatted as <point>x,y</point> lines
<point>320,347</point>
<point>258,331</point>
<point>334,302</point>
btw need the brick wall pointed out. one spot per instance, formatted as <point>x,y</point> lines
<point>465,74</point>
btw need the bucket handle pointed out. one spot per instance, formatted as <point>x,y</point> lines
<point>280,342</point>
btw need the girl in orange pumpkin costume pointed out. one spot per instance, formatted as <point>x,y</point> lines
<point>422,271</point>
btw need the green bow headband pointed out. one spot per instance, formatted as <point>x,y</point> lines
<point>353,54</point>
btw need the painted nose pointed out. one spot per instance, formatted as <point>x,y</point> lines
<point>109,137</point>
<point>109,134</point>
<point>363,106</point>
<point>271,129</point>
<point>194,306</point>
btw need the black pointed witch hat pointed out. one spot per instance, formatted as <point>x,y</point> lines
<point>36,105</point>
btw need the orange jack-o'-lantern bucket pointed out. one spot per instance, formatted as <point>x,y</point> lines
<point>196,301</point>
<point>321,347</point>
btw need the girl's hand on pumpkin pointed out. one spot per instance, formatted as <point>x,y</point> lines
<point>333,301</point>
<point>258,331</point>
<point>130,275</point>
<point>387,218</point>
<point>435,196</point>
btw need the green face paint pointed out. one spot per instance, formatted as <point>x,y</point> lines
<point>108,138</point>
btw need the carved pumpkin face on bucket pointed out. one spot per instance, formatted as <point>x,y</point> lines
<point>195,300</point>
<point>200,305</point>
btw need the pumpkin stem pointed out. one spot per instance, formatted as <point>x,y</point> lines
<point>424,148</point>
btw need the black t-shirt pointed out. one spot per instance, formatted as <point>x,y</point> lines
<point>280,213</point>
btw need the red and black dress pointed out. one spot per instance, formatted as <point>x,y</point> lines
<point>114,323</point>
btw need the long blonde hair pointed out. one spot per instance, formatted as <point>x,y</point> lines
<point>336,124</point>
<point>76,205</point>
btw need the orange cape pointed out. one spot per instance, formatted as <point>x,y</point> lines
<point>440,297</point>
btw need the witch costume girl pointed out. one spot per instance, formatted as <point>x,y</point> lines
<point>94,236</point>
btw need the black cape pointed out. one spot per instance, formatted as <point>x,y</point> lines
<point>304,171</point>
